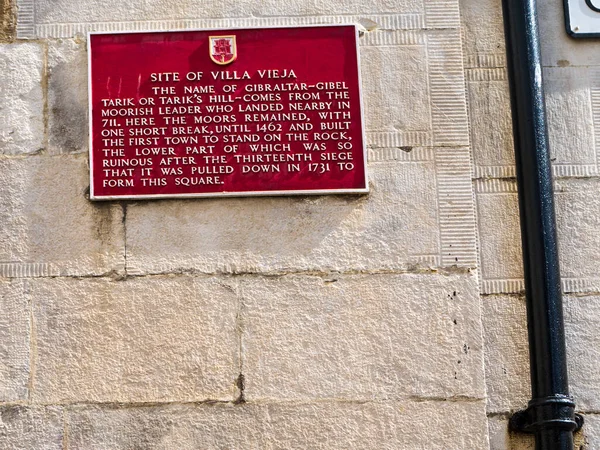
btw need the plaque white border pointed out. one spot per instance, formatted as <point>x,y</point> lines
<point>232,193</point>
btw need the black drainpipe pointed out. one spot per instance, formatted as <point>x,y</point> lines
<point>551,412</point>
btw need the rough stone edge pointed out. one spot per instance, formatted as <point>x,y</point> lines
<point>29,29</point>
<point>7,23</point>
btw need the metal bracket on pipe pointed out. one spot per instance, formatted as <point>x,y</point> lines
<point>557,411</point>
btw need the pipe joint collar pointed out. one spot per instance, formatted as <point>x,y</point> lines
<point>557,411</point>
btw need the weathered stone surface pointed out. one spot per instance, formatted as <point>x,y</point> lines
<point>506,353</point>
<point>7,20</point>
<point>578,221</point>
<point>31,428</point>
<point>506,357</point>
<point>67,96</point>
<point>307,233</point>
<point>323,425</point>
<point>591,431</point>
<point>489,103</point>
<point>50,226</point>
<point>502,439</point>
<point>65,11</point>
<point>138,340</point>
<point>570,120</point>
<point>582,328</point>
<point>216,426</point>
<point>569,107</point>
<point>361,337</point>
<point>14,341</point>
<point>578,233</point>
<point>21,99</point>
<point>395,88</point>
<point>499,234</point>
<point>483,31</point>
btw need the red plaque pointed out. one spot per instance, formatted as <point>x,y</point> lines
<point>272,111</point>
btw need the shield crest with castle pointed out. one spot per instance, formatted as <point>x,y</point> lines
<point>222,49</point>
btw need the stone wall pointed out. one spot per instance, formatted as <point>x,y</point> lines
<point>572,83</point>
<point>384,321</point>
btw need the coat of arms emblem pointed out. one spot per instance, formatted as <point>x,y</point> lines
<point>222,49</point>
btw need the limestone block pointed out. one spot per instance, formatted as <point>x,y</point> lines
<point>578,222</point>
<point>14,341</point>
<point>499,235</point>
<point>591,431</point>
<point>31,428</point>
<point>395,87</point>
<point>405,424</point>
<point>558,49</point>
<point>491,124</point>
<point>577,203</point>
<point>502,439</point>
<point>65,11</point>
<point>414,88</point>
<point>572,105</point>
<point>21,99</point>
<point>216,426</point>
<point>506,353</point>
<point>323,425</point>
<point>483,32</point>
<point>138,340</point>
<point>582,328</point>
<point>67,97</point>
<point>395,226</point>
<point>362,337</point>
<point>570,121</point>
<point>48,225</point>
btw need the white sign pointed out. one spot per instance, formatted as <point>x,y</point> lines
<point>583,18</point>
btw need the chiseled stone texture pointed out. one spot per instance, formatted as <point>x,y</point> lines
<point>489,103</point>
<point>377,230</point>
<point>591,432</point>
<point>570,111</point>
<point>395,83</point>
<point>578,222</point>
<point>47,221</point>
<point>362,337</point>
<point>506,353</point>
<point>577,205</point>
<point>65,11</point>
<point>506,348</point>
<point>582,328</point>
<point>323,425</point>
<point>31,428</point>
<point>570,120</point>
<point>14,341</point>
<point>21,99</point>
<point>502,439</point>
<point>138,340</point>
<point>67,96</point>
<point>499,233</point>
<point>483,30</point>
